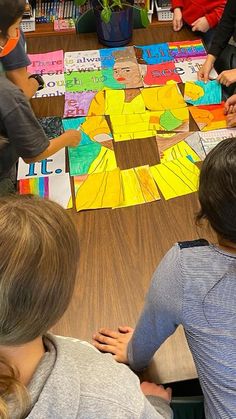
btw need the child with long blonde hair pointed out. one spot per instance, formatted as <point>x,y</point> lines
<point>41,375</point>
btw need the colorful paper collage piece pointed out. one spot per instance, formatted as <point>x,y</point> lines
<point>176,178</point>
<point>96,80</point>
<point>138,186</point>
<point>84,103</point>
<point>82,61</point>
<point>54,86</point>
<point>130,127</point>
<point>194,141</point>
<point>95,152</point>
<point>201,93</point>
<point>211,138</point>
<point>93,128</point>
<point>182,149</point>
<point>170,120</point>
<point>47,63</point>
<point>186,49</point>
<point>52,126</point>
<point>159,74</point>
<point>137,126</point>
<point>91,158</point>
<point>188,68</point>
<point>99,190</point>
<point>53,165</point>
<point>170,139</point>
<point>162,98</point>
<point>124,102</point>
<point>209,117</point>
<point>153,54</point>
<point>114,68</point>
<point>56,188</point>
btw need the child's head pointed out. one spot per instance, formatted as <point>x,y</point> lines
<point>10,12</point>
<point>217,189</point>
<point>38,266</point>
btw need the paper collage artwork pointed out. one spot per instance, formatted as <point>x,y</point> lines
<point>211,138</point>
<point>124,102</point>
<point>52,126</point>
<point>95,152</point>
<point>138,186</point>
<point>137,88</point>
<point>114,68</point>
<point>169,140</point>
<point>98,190</point>
<point>209,117</point>
<point>84,104</point>
<point>114,189</point>
<point>201,93</point>
<point>176,61</point>
<point>51,66</point>
<point>176,177</point>
<point>54,165</point>
<point>182,149</point>
<point>56,188</point>
<point>162,98</point>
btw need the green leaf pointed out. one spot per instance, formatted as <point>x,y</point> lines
<point>144,17</point>
<point>80,2</point>
<point>106,14</point>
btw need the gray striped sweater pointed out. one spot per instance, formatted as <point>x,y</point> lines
<point>195,285</point>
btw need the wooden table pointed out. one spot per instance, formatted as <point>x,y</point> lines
<point>121,248</point>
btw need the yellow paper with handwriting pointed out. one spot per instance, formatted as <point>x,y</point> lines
<point>181,149</point>
<point>99,190</point>
<point>138,186</point>
<point>176,178</point>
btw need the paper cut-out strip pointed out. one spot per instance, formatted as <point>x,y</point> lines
<point>56,188</point>
<point>176,178</point>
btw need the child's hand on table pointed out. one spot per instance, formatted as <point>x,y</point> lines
<point>114,342</point>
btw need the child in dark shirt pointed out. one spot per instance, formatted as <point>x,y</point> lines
<point>13,57</point>
<point>23,135</point>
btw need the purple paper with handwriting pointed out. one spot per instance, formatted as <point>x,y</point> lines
<point>77,104</point>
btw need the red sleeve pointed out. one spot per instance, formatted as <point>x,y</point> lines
<point>214,17</point>
<point>176,3</point>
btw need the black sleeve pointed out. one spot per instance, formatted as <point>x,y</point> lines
<point>24,131</point>
<point>225,29</point>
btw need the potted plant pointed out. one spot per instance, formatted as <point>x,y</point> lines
<point>114,20</point>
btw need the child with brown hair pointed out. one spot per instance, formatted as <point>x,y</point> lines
<point>13,57</point>
<point>41,375</point>
<point>195,285</point>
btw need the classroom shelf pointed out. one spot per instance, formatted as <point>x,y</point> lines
<point>46,29</point>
